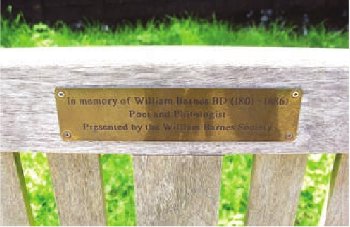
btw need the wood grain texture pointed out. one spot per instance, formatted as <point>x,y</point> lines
<point>14,205</point>
<point>177,190</point>
<point>275,188</point>
<point>29,77</point>
<point>338,202</point>
<point>78,188</point>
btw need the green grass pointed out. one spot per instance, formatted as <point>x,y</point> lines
<point>117,169</point>
<point>315,189</point>
<point>173,32</point>
<point>40,191</point>
<point>235,182</point>
<point>119,189</point>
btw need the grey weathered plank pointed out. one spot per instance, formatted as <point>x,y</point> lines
<point>29,76</point>
<point>14,205</point>
<point>275,188</point>
<point>177,190</point>
<point>78,188</point>
<point>338,203</point>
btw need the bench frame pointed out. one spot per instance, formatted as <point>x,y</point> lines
<point>176,183</point>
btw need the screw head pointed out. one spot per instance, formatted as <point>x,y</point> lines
<point>295,94</point>
<point>60,94</point>
<point>289,135</point>
<point>67,134</point>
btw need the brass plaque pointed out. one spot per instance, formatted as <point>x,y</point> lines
<point>178,114</point>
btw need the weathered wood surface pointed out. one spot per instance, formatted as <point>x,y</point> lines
<point>78,188</point>
<point>338,203</point>
<point>177,190</point>
<point>29,77</point>
<point>275,188</point>
<point>14,204</point>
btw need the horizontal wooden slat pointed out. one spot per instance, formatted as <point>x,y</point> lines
<point>29,77</point>
<point>14,204</point>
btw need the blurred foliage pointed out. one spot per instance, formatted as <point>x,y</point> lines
<point>174,31</point>
<point>235,182</point>
<point>119,189</point>
<point>38,181</point>
<point>117,169</point>
<point>315,189</point>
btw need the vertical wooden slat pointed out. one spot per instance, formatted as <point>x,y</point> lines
<point>14,207</point>
<point>78,188</point>
<point>177,190</point>
<point>275,188</point>
<point>338,202</point>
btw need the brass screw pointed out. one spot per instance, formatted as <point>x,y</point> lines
<point>295,94</point>
<point>60,94</point>
<point>67,134</point>
<point>289,135</point>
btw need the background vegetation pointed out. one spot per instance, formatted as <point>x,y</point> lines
<point>174,31</point>
<point>117,169</point>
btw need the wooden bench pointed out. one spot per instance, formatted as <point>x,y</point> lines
<point>176,183</point>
